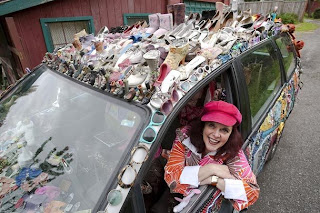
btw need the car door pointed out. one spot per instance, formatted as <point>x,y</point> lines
<point>267,92</point>
<point>292,69</point>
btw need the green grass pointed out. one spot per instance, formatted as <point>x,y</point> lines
<point>306,26</point>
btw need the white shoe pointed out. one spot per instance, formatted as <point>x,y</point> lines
<point>138,76</point>
<point>186,70</point>
<point>173,76</point>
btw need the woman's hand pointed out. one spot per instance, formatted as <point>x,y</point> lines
<point>208,170</point>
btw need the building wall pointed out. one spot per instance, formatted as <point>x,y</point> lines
<point>104,12</point>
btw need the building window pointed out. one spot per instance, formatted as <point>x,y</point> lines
<point>131,18</point>
<point>198,6</point>
<point>60,31</point>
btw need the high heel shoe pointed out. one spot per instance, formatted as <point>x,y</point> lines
<point>164,71</point>
<point>177,54</point>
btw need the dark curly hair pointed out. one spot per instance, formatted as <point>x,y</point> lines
<point>228,151</point>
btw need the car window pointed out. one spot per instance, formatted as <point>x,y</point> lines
<point>74,136</point>
<point>286,48</point>
<point>263,77</point>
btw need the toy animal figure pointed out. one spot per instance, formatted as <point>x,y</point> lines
<point>290,28</point>
<point>298,46</point>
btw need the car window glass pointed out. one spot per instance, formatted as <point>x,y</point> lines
<point>73,136</point>
<point>263,78</point>
<point>286,48</point>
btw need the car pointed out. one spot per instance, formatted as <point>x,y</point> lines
<point>68,145</point>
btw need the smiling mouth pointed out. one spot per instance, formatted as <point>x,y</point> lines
<point>213,141</point>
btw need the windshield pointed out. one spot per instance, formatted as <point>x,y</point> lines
<point>60,143</point>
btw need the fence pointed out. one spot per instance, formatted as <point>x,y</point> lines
<point>297,7</point>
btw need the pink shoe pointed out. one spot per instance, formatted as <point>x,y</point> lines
<point>164,71</point>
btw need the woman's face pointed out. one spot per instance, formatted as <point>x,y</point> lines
<point>215,135</point>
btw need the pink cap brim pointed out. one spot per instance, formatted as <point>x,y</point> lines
<point>220,117</point>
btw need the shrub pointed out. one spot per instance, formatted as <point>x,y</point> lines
<point>288,18</point>
<point>316,14</point>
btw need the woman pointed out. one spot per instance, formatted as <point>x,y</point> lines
<point>209,152</point>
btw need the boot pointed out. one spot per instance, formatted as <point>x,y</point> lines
<point>178,13</point>
<point>152,57</point>
<point>177,54</point>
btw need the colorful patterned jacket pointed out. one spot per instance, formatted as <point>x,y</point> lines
<point>181,156</point>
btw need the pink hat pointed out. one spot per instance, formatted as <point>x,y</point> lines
<point>221,112</point>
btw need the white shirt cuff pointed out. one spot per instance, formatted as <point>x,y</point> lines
<point>189,175</point>
<point>234,189</point>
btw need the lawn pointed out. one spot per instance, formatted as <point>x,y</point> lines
<point>306,26</point>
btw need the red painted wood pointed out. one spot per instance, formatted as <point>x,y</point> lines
<point>163,6</point>
<point>136,6</point>
<point>148,6</point>
<point>124,7</point>
<point>23,41</point>
<point>85,7</point>
<point>46,10</point>
<point>67,8</point>
<point>16,43</point>
<point>26,35</point>
<point>37,49</point>
<point>103,15</point>
<point>58,9</point>
<point>111,13</point>
<point>143,7</point>
<point>95,12</point>
<point>158,7</point>
<point>131,6</point>
<point>118,13</point>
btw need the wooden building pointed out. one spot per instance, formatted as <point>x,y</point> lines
<point>30,28</point>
